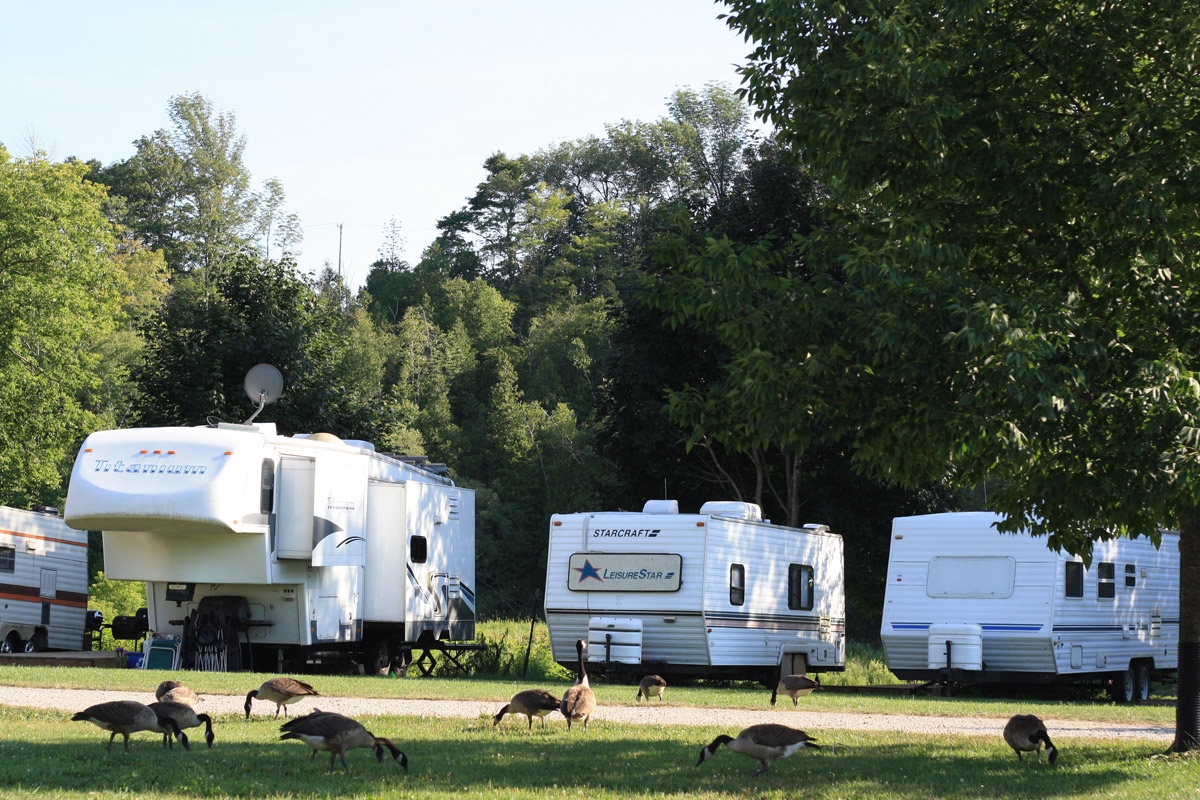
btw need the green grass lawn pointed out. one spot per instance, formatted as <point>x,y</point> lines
<point>44,754</point>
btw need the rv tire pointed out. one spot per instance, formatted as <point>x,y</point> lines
<point>31,646</point>
<point>1141,683</point>
<point>1123,686</point>
<point>11,644</point>
<point>376,659</point>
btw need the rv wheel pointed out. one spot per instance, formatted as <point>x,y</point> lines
<point>376,659</point>
<point>1141,684</point>
<point>11,644</point>
<point>1122,689</point>
<point>32,646</point>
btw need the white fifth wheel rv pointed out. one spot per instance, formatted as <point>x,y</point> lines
<point>43,582</point>
<point>721,593</point>
<point>965,603</point>
<point>254,544</point>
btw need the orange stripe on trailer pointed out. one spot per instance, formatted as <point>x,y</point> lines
<point>42,538</point>
<point>54,601</point>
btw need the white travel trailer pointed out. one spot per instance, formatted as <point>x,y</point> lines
<point>280,548</point>
<point>721,593</point>
<point>965,603</point>
<point>43,582</point>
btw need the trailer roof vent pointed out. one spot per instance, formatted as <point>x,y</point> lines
<point>661,507</point>
<point>732,508</point>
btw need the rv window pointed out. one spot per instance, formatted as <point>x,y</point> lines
<point>418,549</point>
<point>800,587</point>
<point>8,559</point>
<point>737,584</point>
<point>1074,578</point>
<point>266,492</point>
<point>981,577</point>
<point>1106,581</point>
<point>1130,576</point>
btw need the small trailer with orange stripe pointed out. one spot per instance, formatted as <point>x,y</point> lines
<point>43,582</point>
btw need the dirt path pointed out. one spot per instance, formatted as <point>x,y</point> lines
<point>658,714</point>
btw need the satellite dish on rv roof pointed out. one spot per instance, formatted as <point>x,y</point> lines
<point>263,386</point>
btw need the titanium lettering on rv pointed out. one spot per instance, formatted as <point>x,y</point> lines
<point>626,533</point>
<point>104,465</point>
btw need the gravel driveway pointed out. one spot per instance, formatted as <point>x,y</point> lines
<point>657,714</point>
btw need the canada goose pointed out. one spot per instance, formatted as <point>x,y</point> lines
<point>766,743</point>
<point>1027,733</point>
<point>579,702</point>
<point>794,686</point>
<point>326,731</point>
<point>165,687</point>
<point>651,685</point>
<point>184,717</point>
<point>177,694</point>
<point>280,691</point>
<point>126,717</point>
<point>532,703</point>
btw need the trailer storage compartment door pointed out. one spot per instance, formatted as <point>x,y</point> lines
<point>294,508</point>
<point>615,639</point>
<point>958,646</point>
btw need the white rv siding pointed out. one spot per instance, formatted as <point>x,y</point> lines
<point>312,531</point>
<point>43,587</point>
<point>1031,628</point>
<point>673,626</point>
<point>696,626</point>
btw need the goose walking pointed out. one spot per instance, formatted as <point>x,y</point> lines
<point>281,692</point>
<point>1026,733</point>
<point>794,686</point>
<point>333,733</point>
<point>579,702</point>
<point>185,717</point>
<point>532,703</point>
<point>126,717</point>
<point>766,743</point>
<point>651,685</point>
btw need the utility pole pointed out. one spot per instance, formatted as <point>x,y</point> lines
<point>339,249</point>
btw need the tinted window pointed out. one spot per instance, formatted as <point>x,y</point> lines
<point>800,587</point>
<point>8,559</point>
<point>1074,579</point>
<point>1106,581</point>
<point>1130,576</point>
<point>418,549</point>
<point>737,584</point>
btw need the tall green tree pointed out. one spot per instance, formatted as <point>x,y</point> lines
<point>219,322</point>
<point>187,192</point>
<point>1006,285</point>
<point>60,302</point>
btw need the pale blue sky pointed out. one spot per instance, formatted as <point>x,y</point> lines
<point>365,110</point>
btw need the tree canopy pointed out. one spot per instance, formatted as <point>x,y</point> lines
<point>1003,283</point>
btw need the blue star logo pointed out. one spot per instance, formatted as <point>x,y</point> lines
<point>587,571</point>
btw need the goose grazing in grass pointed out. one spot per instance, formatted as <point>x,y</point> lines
<point>1025,733</point>
<point>126,717</point>
<point>335,734</point>
<point>579,702</point>
<point>651,685</point>
<point>176,692</point>
<point>281,692</point>
<point>794,686</point>
<point>185,717</point>
<point>532,703</point>
<point>766,743</point>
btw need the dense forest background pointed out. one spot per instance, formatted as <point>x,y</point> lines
<point>550,346</point>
